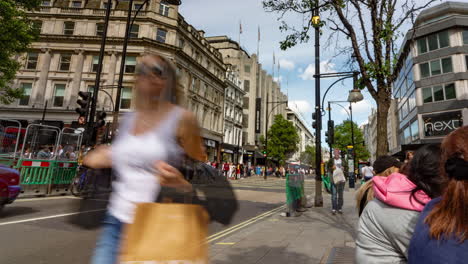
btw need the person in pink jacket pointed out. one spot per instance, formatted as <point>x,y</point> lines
<point>387,222</point>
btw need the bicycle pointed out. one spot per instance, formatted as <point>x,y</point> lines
<point>80,182</point>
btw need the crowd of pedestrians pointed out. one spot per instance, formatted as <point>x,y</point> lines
<point>416,211</point>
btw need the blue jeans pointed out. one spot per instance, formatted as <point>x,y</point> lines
<point>108,245</point>
<point>337,195</point>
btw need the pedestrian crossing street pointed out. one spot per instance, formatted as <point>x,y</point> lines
<point>271,183</point>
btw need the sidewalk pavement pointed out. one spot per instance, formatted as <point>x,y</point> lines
<point>316,236</point>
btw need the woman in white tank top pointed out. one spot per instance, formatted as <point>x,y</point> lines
<point>156,133</point>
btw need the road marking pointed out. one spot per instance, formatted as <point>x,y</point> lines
<point>48,217</point>
<point>45,199</point>
<point>253,218</point>
<point>243,224</point>
<point>225,243</point>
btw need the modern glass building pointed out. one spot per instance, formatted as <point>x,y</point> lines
<point>431,89</point>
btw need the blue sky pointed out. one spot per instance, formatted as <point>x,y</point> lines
<point>222,17</point>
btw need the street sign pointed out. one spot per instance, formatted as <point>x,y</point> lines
<point>351,165</point>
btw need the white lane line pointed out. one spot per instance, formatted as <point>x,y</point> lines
<point>47,217</point>
<point>45,199</point>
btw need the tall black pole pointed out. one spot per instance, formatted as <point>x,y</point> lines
<point>122,66</point>
<point>352,142</point>
<point>266,137</point>
<point>98,75</point>
<point>329,119</point>
<point>318,149</point>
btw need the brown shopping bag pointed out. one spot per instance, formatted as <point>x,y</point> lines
<point>166,233</point>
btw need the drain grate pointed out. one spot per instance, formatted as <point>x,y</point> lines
<point>341,255</point>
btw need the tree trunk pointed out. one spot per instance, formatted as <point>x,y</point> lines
<point>383,104</point>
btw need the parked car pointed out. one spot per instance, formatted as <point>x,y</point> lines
<point>9,185</point>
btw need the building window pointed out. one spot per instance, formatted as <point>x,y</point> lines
<point>161,35</point>
<point>94,66</point>
<point>181,43</point>
<point>64,64</point>
<point>414,130</point>
<point>26,88</point>
<point>126,99</point>
<point>76,4</point>
<point>46,3</point>
<point>164,8</point>
<point>436,67</point>
<point>38,25</point>
<point>99,29</point>
<point>466,62</point>
<point>31,62</point>
<point>246,85</point>
<point>433,42</point>
<point>137,6</point>
<point>407,135</point>
<point>439,93</point>
<point>247,68</point>
<point>104,5</point>
<point>465,37</point>
<point>68,28</point>
<point>130,64</point>
<point>59,95</point>
<point>134,31</point>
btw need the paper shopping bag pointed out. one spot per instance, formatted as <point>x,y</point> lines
<point>166,233</point>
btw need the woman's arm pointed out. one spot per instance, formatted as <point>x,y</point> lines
<point>100,158</point>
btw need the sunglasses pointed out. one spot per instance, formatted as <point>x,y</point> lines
<point>154,69</point>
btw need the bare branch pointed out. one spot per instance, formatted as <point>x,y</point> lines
<point>363,28</point>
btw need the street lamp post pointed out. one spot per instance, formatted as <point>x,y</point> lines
<point>318,150</point>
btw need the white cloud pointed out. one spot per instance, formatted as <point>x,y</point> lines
<point>278,79</point>
<point>300,106</point>
<point>362,107</point>
<point>325,67</point>
<point>286,64</point>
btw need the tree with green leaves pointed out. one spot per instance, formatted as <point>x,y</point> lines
<point>283,139</point>
<point>343,139</point>
<point>308,156</point>
<point>17,31</point>
<point>365,31</point>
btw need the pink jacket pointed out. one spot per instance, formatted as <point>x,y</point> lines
<point>395,190</point>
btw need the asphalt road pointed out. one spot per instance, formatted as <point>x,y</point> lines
<point>38,230</point>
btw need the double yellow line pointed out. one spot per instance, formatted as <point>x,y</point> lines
<point>243,224</point>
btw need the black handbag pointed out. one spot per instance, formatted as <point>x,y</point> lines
<point>210,189</point>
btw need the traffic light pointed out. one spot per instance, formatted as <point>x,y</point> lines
<point>331,132</point>
<point>327,138</point>
<point>84,102</point>
<point>314,117</point>
<point>264,153</point>
<point>101,119</point>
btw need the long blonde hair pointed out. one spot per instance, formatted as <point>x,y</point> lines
<point>368,188</point>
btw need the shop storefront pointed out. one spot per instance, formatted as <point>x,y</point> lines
<point>228,153</point>
<point>211,147</point>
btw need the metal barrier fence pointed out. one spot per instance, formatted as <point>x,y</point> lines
<point>47,161</point>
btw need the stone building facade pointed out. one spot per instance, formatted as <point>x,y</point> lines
<point>64,61</point>
<point>305,135</point>
<point>231,148</point>
<point>259,88</point>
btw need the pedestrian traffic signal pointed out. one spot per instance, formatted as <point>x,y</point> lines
<point>264,153</point>
<point>101,119</point>
<point>84,102</point>
<point>314,117</point>
<point>331,132</point>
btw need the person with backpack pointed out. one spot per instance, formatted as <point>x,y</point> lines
<point>441,233</point>
<point>367,172</point>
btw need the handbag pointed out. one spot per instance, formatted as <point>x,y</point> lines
<point>166,233</point>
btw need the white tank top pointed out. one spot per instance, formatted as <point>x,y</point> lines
<point>133,158</point>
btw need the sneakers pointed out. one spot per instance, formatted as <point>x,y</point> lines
<point>340,211</point>
<point>334,211</point>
